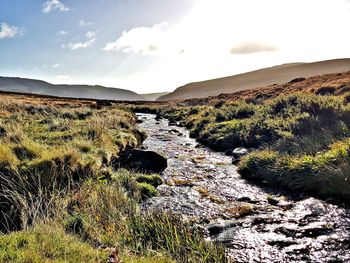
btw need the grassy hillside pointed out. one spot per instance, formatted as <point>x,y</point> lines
<point>300,140</point>
<point>63,200</point>
<point>256,79</point>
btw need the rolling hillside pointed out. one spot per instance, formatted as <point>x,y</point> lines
<point>259,78</point>
<point>22,85</point>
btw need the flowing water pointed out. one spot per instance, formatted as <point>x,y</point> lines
<point>256,223</point>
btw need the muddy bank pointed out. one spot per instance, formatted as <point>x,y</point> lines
<point>256,223</point>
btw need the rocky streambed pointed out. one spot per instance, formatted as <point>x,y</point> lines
<point>255,222</point>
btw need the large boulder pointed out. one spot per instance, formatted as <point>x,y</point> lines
<point>142,161</point>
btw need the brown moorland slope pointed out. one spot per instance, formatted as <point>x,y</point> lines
<point>335,83</point>
<point>327,84</point>
<point>259,78</point>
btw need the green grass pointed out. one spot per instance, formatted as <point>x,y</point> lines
<point>325,174</point>
<point>62,200</point>
<point>46,243</point>
<point>50,243</point>
<point>300,140</point>
<point>161,231</point>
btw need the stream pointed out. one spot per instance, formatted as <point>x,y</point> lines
<point>255,222</point>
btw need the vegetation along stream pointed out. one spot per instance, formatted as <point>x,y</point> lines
<point>256,223</point>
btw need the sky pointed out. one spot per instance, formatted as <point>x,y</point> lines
<point>158,45</point>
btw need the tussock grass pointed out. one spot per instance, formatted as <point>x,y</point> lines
<point>59,191</point>
<point>47,243</point>
<point>51,243</point>
<point>325,174</point>
<point>160,231</point>
<point>300,140</point>
<point>104,214</point>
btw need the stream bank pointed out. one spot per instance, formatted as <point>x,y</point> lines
<point>256,223</point>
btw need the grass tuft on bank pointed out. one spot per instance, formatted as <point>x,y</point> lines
<point>299,141</point>
<point>61,198</point>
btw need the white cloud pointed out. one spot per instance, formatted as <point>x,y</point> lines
<point>252,47</point>
<point>79,45</point>
<point>84,23</point>
<point>8,31</point>
<point>295,30</point>
<point>91,38</point>
<point>91,34</point>
<point>143,40</point>
<point>61,33</point>
<point>50,5</point>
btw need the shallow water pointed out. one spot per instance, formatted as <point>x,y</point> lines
<point>256,223</point>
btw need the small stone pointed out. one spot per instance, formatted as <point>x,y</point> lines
<point>272,201</point>
<point>228,153</point>
<point>244,199</point>
<point>238,153</point>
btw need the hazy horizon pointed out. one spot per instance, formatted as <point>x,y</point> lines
<point>155,46</point>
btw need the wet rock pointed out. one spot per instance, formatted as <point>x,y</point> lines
<point>142,161</point>
<point>289,232</point>
<point>139,121</point>
<point>272,201</point>
<point>244,199</point>
<point>299,249</point>
<point>143,147</point>
<point>238,153</point>
<point>310,232</point>
<point>217,228</point>
<point>265,220</point>
<point>158,117</point>
<point>180,124</point>
<point>316,231</point>
<point>228,153</point>
<point>199,146</point>
<point>157,122</point>
<point>173,131</point>
<point>307,219</point>
<point>281,243</point>
<point>172,123</point>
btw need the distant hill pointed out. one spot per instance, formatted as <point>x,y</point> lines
<point>22,85</point>
<point>154,96</point>
<point>259,78</point>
